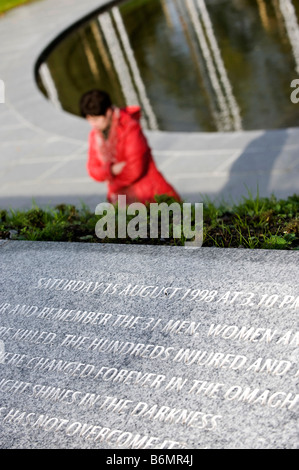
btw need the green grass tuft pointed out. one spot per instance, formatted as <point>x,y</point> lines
<point>6,5</point>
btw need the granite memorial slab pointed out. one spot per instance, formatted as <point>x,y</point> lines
<point>107,346</point>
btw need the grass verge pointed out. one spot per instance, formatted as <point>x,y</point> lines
<point>6,5</point>
<point>261,223</point>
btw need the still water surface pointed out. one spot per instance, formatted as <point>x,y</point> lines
<point>192,65</point>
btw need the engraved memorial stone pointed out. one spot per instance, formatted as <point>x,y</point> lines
<point>141,347</point>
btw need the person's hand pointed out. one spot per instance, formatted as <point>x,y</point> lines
<point>117,168</point>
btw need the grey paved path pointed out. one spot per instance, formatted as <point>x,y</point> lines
<point>43,150</point>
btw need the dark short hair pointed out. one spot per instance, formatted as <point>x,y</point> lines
<point>95,103</point>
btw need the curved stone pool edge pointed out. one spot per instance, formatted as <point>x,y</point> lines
<point>43,149</point>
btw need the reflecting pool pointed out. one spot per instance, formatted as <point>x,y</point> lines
<point>192,65</point>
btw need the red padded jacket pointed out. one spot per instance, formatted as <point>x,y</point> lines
<point>140,179</point>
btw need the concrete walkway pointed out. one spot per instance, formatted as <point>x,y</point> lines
<point>43,150</point>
